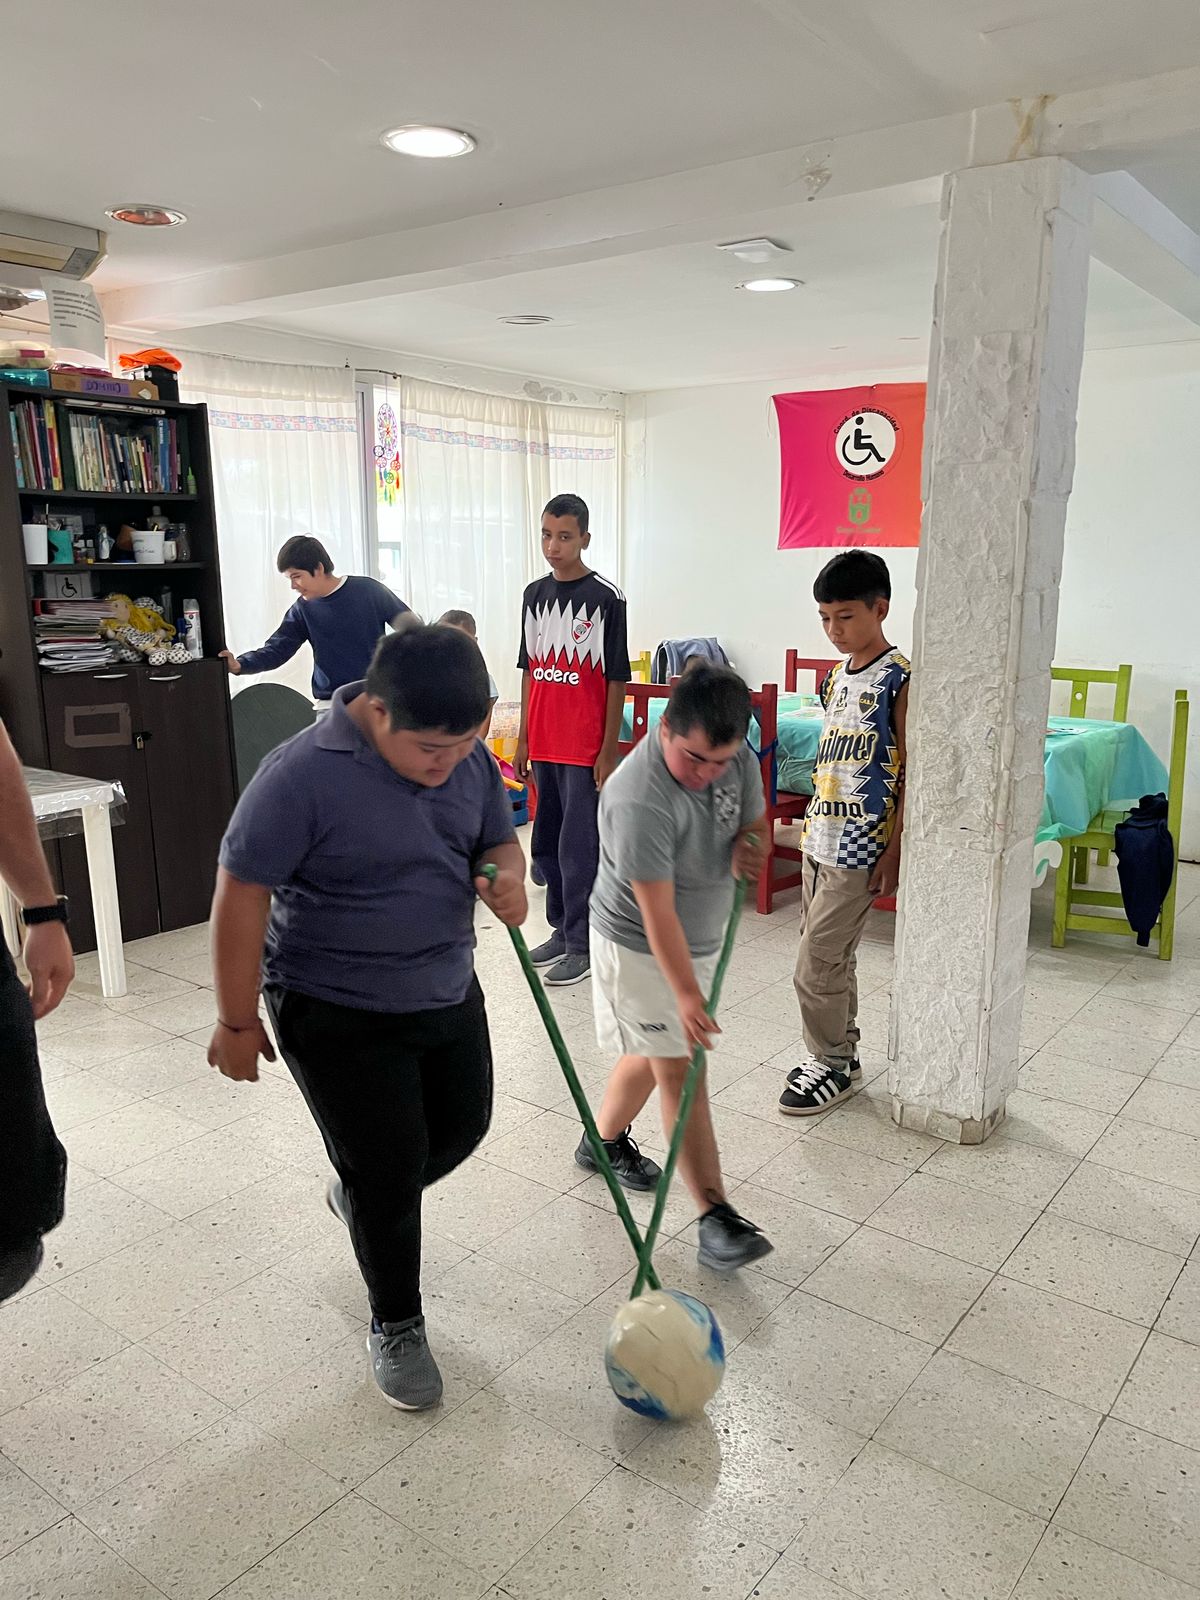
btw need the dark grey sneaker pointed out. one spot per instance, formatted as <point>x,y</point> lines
<point>403,1363</point>
<point>728,1241</point>
<point>335,1199</point>
<point>633,1170</point>
<point>572,968</point>
<point>545,955</point>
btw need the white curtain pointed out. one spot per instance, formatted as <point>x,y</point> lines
<point>286,460</point>
<point>476,470</point>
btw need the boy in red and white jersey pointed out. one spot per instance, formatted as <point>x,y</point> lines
<point>575,662</point>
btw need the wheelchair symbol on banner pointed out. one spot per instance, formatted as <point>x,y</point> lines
<point>865,443</point>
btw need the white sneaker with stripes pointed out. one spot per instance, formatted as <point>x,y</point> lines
<point>814,1087</point>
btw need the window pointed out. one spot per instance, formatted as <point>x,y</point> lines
<point>455,483</point>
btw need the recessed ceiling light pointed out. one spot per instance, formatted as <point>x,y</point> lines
<point>147,216</point>
<point>771,285</point>
<point>419,139</point>
<point>526,319</point>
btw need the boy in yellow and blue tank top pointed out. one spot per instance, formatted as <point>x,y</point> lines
<point>853,825</point>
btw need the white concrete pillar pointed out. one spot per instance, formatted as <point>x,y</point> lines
<point>999,456</point>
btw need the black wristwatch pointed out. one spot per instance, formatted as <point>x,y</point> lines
<point>32,915</point>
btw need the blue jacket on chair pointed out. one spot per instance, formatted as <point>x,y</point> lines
<point>1145,863</point>
<point>673,655</point>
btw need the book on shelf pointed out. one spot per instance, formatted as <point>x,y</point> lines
<point>64,447</point>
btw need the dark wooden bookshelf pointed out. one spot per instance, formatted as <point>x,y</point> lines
<point>114,495</point>
<point>164,733</point>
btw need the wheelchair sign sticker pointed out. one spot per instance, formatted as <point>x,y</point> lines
<point>865,443</point>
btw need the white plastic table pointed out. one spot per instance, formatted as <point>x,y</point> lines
<point>57,800</point>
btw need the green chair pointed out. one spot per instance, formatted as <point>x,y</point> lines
<point>1081,680</point>
<point>1100,836</point>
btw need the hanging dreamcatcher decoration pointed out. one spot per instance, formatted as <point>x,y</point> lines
<point>387,455</point>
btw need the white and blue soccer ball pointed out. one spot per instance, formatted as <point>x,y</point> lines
<point>665,1356</point>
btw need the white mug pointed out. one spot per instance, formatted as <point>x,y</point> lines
<point>148,546</point>
<point>37,543</point>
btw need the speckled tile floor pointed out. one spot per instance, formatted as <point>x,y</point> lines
<point>963,1375</point>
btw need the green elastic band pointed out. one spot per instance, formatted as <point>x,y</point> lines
<point>644,1248</point>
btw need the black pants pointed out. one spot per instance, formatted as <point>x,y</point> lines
<point>401,1100</point>
<point>33,1165</point>
<point>566,846</point>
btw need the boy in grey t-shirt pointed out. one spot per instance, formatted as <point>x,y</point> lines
<point>679,819</point>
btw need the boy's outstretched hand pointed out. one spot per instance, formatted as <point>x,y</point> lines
<point>504,895</point>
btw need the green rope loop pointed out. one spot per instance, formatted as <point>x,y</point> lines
<point>643,1247</point>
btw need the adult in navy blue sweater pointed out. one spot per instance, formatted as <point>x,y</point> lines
<point>342,618</point>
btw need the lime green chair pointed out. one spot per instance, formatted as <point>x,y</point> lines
<point>1081,680</point>
<point>1100,836</point>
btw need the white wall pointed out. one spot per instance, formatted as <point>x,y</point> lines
<point>702,486</point>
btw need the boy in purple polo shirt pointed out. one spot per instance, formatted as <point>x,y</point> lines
<point>355,857</point>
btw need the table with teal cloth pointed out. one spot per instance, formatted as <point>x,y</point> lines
<point>1090,765</point>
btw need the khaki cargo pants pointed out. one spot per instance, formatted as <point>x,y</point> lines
<point>834,910</point>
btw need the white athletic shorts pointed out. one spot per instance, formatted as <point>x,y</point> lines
<point>635,1009</point>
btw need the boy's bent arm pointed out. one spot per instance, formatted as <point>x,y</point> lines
<point>886,876</point>
<point>521,759</point>
<point>239,926</point>
<point>614,708</point>
<point>669,946</point>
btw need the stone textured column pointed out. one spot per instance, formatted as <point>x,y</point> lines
<point>999,457</point>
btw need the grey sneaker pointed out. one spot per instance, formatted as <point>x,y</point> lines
<point>335,1199</point>
<point>728,1241</point>
<point>403,1363</point>
<point>572,968</point>
<point>545,955</point>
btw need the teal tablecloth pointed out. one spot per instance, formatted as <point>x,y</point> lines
<point>1090,765</point>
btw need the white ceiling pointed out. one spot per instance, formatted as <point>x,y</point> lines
<point>262,124</point>
<point>673,318</point>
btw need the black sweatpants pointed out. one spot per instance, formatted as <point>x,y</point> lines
<point>33,1164</point>
<point>566,846</point>
<point>401,1100</point>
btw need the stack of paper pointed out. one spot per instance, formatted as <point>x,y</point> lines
<point>68,635</point>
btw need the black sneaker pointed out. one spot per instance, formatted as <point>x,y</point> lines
<point>545,955</point>
<point>797,1073</point>
<point>812,1088</point>
<point>728,1241</point>
<point>633,1170</point>
<point>536,875</point>
<point>573,968</point>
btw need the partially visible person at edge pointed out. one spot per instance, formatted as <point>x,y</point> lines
<point>465,623</point>
<point>33,1164</point>
<point>347,887</point>
<point>342,619</point>
<point>574,659</point>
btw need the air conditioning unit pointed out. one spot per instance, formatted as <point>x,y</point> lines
<point>30,246</point>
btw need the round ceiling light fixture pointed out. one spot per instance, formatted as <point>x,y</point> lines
<point>527,319</point>
<point>771,285</point>
<point>431,143</point>
<point>143,216</point>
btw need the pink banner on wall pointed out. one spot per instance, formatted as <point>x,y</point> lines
<point>850,466</point>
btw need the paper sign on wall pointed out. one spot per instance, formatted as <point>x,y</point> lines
<point>850,466</point>
<point>76,320</point>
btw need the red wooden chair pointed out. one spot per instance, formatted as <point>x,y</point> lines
<point>794,664</point>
